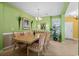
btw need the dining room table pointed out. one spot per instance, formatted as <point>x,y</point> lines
<point>27,39</point>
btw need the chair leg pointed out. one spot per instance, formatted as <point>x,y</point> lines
<point>38,53</point>
<point>27,51</point>
<point>14,48</point>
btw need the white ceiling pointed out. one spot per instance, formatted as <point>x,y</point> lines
<point>72,9</point>
<point>46,8</point>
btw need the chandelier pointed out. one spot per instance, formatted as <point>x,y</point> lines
<point>38,18</point>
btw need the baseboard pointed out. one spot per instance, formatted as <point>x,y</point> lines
<point>75,39</point>
<point>69,38</point>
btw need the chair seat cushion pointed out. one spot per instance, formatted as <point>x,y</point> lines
<point>35,47</point>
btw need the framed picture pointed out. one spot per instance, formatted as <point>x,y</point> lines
<point>43,26</point>
<point>25,23</point>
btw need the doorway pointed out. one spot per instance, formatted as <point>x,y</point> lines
<point>69,30</point>
<point>56,29</point>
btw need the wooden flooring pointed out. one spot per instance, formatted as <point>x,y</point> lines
<point>66,48</point>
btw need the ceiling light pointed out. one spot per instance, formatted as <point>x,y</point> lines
<point>38,18</point>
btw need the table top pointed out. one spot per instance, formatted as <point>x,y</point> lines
<point>29,39</point>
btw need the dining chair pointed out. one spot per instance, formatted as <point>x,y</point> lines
<point>47,39</point>
<point>37,35</point>
<point>37,47</point>
<point>17,44</point>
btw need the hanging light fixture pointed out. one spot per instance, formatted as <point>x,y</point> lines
<point>38,18</point>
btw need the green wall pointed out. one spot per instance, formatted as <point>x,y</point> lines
<point>62,26</point>
<point>1,23</point>
<point>46,20</point>
<point>9,19</point>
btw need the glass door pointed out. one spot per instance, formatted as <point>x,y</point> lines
<point>56,29</point>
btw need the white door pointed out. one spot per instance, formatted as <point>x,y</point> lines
<point>69,30</point>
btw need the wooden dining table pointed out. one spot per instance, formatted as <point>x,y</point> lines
<point>27,39</point>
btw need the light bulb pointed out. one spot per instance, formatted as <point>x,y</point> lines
<point>40,18</point>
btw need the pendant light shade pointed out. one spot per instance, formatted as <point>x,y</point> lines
<point>38,18</point>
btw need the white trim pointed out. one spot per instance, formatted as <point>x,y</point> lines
<point>7,33</point>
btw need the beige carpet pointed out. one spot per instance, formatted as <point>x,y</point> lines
<point>66,48</point>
